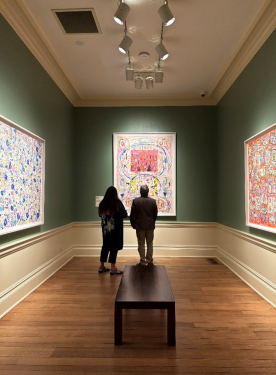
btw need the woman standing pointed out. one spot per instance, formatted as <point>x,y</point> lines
<point>112,212</point>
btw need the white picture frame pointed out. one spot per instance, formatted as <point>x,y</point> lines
<point>22,178</point>
<point>146,158</point>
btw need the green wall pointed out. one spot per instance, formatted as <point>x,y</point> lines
<point>248,107</point>
<point>196,153</point>
<point>30,98</point>
<point>210,140</point>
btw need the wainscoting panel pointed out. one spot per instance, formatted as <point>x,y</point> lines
<point>170,239</point>
<point>251,258</point>
<point>26,264</point>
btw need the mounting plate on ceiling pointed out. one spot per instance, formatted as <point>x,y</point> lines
<point>144,55</point>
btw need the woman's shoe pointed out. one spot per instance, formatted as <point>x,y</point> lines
<point>116,272</point>
<point>102,270</point>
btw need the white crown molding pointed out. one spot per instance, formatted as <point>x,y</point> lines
<point>255,35</point>
<point>22,21</point>
<point>144,101</point>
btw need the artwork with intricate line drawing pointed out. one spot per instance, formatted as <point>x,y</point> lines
<point>21,178</point>
<point>260,180</point>
<point>146,158</point>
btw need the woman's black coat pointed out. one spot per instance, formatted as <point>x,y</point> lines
<point>119,228</point>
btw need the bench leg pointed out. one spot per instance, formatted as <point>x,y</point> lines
<point>118,326</point>
<point>171,326</point>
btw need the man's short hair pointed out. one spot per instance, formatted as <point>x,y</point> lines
<point>144,190</point>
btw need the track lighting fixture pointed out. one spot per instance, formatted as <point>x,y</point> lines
<point>140,75</point>
<point>129,69</point>
<point>159,76</point>
<point>138,80</point>
<point>160,49</point>
<point>166,15</point>
<point>149,82</point>
<point>148,76</point>
<point>121,13</point>
<point>125,44</point>
<point>162,52</point>
<point>129,73</point>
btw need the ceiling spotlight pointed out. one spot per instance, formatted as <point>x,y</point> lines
<point>166,15</point>
<point>159,76</point>
<point>162,52</point>
<point>125,44</point>
<point>129,73</point>
<point>138,82</point>
<point>149,82</point>
<point>121,13</point>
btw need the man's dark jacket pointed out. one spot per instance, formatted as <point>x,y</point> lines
<point>143,213</point>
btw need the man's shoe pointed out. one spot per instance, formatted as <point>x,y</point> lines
<point>143,263</point>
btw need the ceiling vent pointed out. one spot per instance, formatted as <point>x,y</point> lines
<point>78,21</point>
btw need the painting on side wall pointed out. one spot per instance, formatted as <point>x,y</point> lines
<point>22,161</point>
<point>260,180</point>
<point>146,159</point>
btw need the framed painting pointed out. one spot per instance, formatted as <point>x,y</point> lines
<point>22,173</point>
<point>146,159</point>
<point>260,180</point>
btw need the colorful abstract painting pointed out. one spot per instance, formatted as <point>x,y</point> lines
<point>146,159</point>
<point>260,167</point>
<point>21,178</point>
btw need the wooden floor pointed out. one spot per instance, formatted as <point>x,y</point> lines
<point>65,327</point>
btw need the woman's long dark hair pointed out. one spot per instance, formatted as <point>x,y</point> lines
<point>110,203</point>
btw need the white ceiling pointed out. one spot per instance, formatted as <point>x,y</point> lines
<point>210,42</point>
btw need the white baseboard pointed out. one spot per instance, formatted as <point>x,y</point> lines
<point>158,251</point>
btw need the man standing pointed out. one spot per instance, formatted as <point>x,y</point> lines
<point>142,218</point>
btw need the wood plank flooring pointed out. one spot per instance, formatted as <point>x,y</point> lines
<point>65,327</point>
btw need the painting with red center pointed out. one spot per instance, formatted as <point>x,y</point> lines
<point>144,161</point>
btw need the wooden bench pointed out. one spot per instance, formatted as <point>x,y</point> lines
<point>144,288</point>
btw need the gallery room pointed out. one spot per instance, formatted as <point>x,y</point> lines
<point>196,82</point>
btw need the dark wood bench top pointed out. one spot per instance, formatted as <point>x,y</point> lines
<point>145,287</point>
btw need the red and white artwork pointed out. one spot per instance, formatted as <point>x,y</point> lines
<point>146,159</point>
<point>260,180</point>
